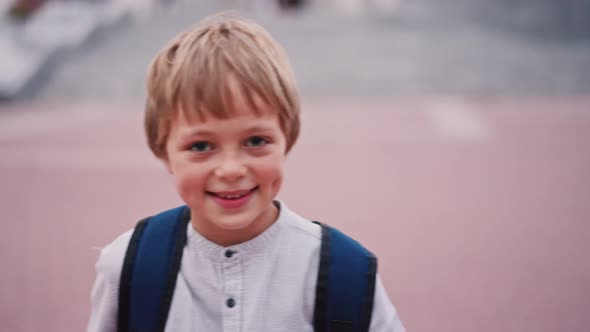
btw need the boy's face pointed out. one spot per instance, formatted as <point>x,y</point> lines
<point>228,171</point>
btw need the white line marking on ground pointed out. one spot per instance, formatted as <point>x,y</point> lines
<point>22,123</point>
<point>457,121</point>
<point>51,157</point>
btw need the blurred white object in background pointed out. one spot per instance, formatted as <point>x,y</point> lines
<point>17,65</point>
<point>386,6</point>
<point>358,7</point>
<point>62,24</point>
<point>350,7</point>
<point>4,6</point>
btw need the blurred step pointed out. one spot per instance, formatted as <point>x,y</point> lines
<point>18,64</point>
<point>26,48</point>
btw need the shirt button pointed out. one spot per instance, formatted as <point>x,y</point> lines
<point>229,253</point>
<point>230,302</point>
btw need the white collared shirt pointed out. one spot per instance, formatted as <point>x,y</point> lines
<point>267,285</point>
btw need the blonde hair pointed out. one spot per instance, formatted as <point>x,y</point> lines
<point>191,75</point>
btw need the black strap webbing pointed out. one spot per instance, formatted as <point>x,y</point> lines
<point>346,284</point>
<point>150,270</point>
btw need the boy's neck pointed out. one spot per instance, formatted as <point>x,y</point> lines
<point>226,238</point>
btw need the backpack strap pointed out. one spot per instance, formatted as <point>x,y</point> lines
<point>150,269</point>
<point>346,284</point>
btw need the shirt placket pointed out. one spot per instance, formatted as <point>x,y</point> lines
<point>232,302</point>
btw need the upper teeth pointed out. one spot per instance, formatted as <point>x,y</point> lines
<point>232,196</point>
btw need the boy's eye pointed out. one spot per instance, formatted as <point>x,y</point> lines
<point>200,147</point>
<point>256,141</point>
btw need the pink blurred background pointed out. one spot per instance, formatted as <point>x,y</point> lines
<point>480,222</point>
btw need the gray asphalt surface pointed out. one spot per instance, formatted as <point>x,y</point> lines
<point>424,48</point>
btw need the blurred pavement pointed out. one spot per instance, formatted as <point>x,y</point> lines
<point>420,48</point>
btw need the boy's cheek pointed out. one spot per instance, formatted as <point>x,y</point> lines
<point>273,177</point>
<point>188,185</point>
<point>270,168</point>
<point>276,186</point>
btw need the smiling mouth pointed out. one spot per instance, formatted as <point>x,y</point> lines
<point>232,195</point>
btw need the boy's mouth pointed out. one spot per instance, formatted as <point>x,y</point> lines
<point>233,194</point>
<point>232,199</point>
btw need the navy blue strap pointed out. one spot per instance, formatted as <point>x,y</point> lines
<point>346,284</point>
<point>150,269</point>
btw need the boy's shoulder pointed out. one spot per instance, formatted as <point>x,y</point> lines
<point>301,226</point>
<point>110,261</point>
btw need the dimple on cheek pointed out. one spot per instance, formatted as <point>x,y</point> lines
<point>189,189</point>
<point>273,178</point>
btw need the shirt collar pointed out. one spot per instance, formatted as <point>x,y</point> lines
<point>254,247</point>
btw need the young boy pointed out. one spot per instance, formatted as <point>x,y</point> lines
<point>222,113</point>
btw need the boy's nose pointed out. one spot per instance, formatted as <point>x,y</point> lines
<point>230,169</point>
